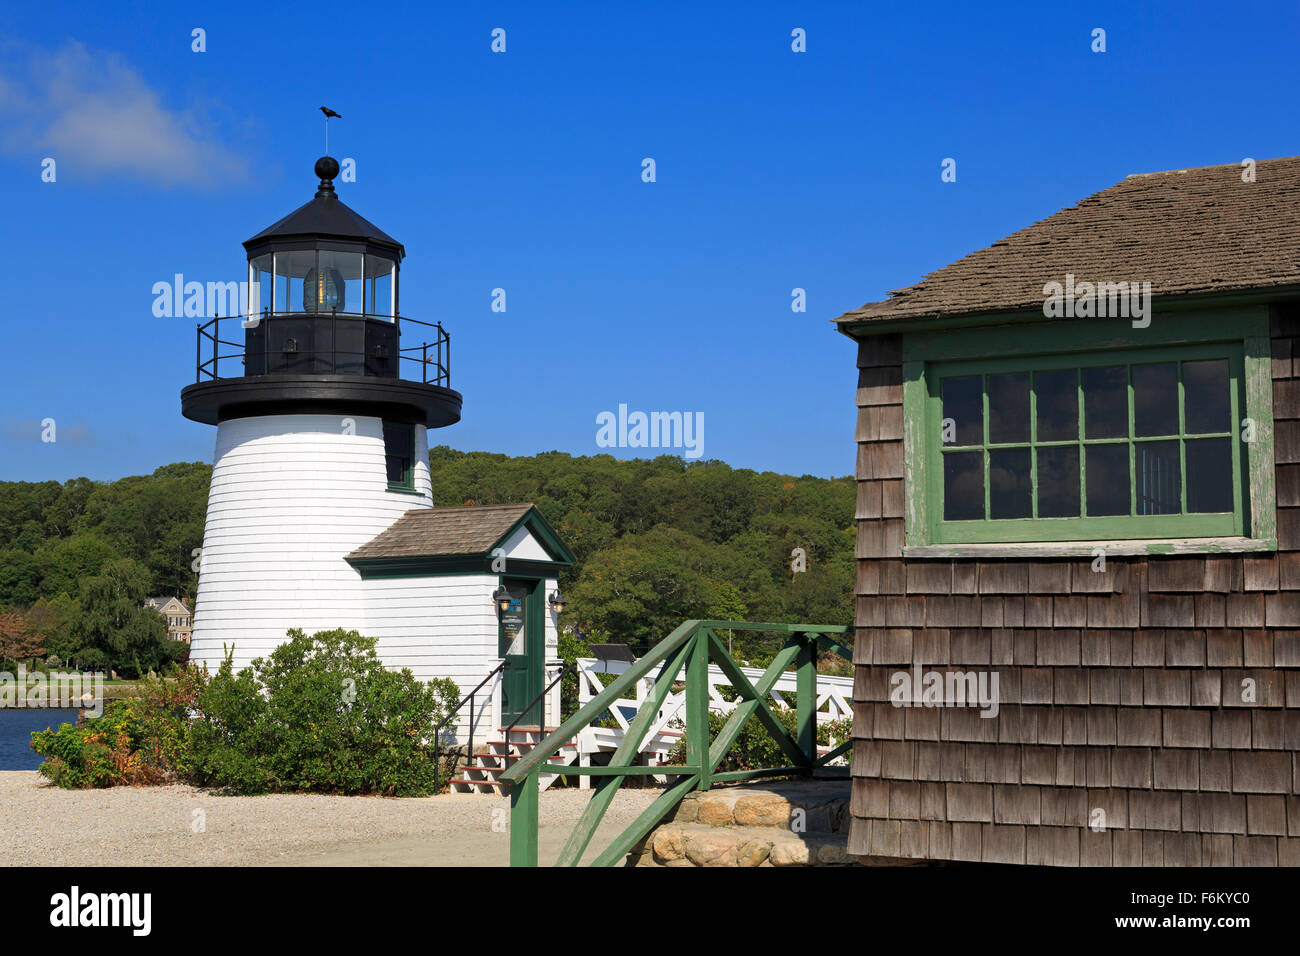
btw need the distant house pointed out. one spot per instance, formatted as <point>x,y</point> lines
<point>180,619</point>
<point>1092,498</point>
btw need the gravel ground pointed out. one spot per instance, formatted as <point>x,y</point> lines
<point>153,826</point>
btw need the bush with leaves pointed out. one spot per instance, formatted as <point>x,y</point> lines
<point>321,714</point>
<point>140,740</point>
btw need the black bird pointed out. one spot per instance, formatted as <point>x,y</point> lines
<point>329,112</point>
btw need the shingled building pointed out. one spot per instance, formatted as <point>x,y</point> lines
<point>1087,495</point>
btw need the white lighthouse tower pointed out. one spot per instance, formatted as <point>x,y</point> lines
<point>322,397</point>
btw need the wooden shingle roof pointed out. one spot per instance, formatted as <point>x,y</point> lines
<point>444,532</point>
<point>1186,231</point>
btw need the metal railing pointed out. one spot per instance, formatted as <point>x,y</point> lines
<point>691,647</point>
<point>539,701</point>
<point>437,731</point>
<point>433,357</point>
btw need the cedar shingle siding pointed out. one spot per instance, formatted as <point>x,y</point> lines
<point>1120,692</point>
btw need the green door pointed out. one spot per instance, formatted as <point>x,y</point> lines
<point>521,641</point>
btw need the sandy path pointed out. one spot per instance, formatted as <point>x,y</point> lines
<point>151,826</point>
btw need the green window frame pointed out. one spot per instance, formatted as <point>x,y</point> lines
<point>1030,464</point>
<point>399,455</point>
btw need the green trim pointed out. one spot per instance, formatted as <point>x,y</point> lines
<point>480,563</point>
<point>1162,308</point>
<point>1239,334</point>
<point>1088,549</point>
<point>546,535</point>
<point>376,568</point>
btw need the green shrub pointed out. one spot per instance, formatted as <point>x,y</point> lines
<point>319,714</point>
<point>141,740</point>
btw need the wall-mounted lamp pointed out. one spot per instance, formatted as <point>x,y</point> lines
<point>556,600</point>
<point>503,600</point>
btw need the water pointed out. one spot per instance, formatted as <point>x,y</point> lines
<point>16,726</point>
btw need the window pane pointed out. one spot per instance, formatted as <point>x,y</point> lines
<point>1009,482</point>
<point>1058,482</point>
<point>1155,400</point>
<point>397,452</point>
<point>1056,397</point>
<point>1107,479</point>
<point>1209,475</point>
<point>963,486</point>
<point>1009,408</point>
<point>1206,409</point>
<point>963,402</point>
<point>1105,402</point>
<point>1159,478</point>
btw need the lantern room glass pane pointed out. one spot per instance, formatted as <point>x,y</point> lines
<point>380,275</point>
<point>335,284</point>
<point>263,279</point>
<point>291,269</point>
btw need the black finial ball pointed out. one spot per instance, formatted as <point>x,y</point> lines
<point>327,167</point>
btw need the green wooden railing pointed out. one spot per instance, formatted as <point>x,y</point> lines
<point>690,647</point>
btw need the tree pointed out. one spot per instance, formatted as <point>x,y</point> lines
<point>56,622</point>
<point>17,642</point>
<point>20,577</point>
<point>67,562</point>
<point>114,620</point>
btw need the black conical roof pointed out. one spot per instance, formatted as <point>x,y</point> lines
<point>325,217</point>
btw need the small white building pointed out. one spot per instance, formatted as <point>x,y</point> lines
<point>320,513</point>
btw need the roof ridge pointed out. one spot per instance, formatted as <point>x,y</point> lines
<point>1197,169</point>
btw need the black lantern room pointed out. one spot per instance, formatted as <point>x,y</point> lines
<point>322,329</point>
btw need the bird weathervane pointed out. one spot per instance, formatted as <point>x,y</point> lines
<point>328,113</point>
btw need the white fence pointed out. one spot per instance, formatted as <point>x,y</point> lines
<point>834,702</point>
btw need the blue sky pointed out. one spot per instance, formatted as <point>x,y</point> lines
<point>522,170</point>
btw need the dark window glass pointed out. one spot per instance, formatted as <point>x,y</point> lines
<point>1056,398</point>
<point>1107,479</point>
<point>963,402</point>
<point>398,452</point>
<point>1009,487</point>
<point>1205,399</point>
<point>1159,478</point>
<point>1009,408</point>
<point>1209,475</point>
<point>1105,402</point>
<point>1155,399</point>
<point>1058,482</point>
<point>963,486</point>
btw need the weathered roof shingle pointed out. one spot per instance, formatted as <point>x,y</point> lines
<point>1187,232</point>
<point>440,532</point>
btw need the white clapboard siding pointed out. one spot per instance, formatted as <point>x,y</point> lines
<point>446,626</point>
<point>291,496</point>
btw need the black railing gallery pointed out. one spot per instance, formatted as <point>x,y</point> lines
<point>237,346</point>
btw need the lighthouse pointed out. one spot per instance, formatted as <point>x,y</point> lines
<point>320,514</point>
<point>322,396</point>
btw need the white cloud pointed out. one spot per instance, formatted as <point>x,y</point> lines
<point>96,116</point>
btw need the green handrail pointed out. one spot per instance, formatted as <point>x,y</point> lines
<point>692,645</point>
